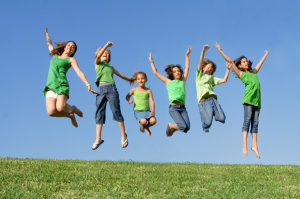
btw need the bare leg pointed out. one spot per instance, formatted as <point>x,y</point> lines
<point>245,150</point>
<point>61,105</point>
<point>98,136</point>
<point>151,122</point>
<point>143,123</point>
<point>254,147</point>
<point>52,111</point>
<point>171,128</point>
<point>123,134</point>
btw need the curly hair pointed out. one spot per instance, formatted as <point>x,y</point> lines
<point>61,48</point>
<point>238,61</point>
<point>206,62</point>
<point>169,70</point>
<point>95,54</point>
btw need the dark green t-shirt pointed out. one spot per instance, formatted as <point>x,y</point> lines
<point>105,73</point>
<point>252,89</point>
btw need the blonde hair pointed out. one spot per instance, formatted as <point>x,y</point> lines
<point>97,51</point>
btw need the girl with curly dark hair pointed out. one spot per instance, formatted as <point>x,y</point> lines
<point>252,97</point>
<point>176,91</point>
<point>57,87</point>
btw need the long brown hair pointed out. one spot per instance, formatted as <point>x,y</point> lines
<point>238,61</point>
<point>169,70</point>
<point>61,47</point>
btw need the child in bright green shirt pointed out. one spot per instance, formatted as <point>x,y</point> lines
<point>252,97</point>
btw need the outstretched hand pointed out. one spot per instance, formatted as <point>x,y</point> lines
<point>218,46</point>
<point>206,47</point>
<point>130,101</point>
<point>228,65</point>
<point>109,44</point>
<point>150,57</point>
<point>91,90</point>
<point>266,52</point>
<point>189,50</point>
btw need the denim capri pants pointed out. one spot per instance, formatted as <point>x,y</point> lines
<point>251,115</point>
<point>180,116</point>
<point>108,92</point>
<point>142,114</point>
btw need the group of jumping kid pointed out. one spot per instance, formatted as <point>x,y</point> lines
<point>57,91</point>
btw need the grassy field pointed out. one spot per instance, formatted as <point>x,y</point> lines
<point>38,178</point>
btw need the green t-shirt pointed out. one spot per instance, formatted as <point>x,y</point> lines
<point>57,76</point>
<point>105,73</point>
<point>141,100</point>
<point>176,91</point>
<point>252,89</point>
<point>205,84</point>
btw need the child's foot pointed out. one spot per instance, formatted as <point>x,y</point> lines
<point>170,131</point>
<point>255,150</point>
<point>148,131</point>
<point>124,142</point>
<point>77,111</point>
<point>97,143</point>
<point>73,119</point>
<point>245,151</point>
<point>142,128</point>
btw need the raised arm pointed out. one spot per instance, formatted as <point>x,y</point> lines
<point>129,95</point>
<point>200,65</point>
<point>152,104</point>
<point>157,74</point>
<point>100,53</point>
<point>224,80</point>
<point>81,75</point>
<point>187,64</point>
<point>258,66</point>
<point>131,81</point>
<point>49,43</point>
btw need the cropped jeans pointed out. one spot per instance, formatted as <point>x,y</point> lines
<point>180,116</point>
<point>251,115</point>
<point>108,93</point>
<point>209,108</point>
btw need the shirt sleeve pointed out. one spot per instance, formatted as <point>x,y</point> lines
<point>216,81</point>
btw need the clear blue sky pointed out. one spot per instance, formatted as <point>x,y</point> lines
<point>166,28</point>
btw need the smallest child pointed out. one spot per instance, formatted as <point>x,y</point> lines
<point>142,96</point>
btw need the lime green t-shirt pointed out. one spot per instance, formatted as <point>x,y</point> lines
<point>176,91</point>
<point>205,84</point>
<point>105,73</point>
<point>57,76</point>
<point>252,89</point>
<point>141,100</point>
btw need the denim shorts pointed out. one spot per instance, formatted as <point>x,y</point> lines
<point>251,115</point>
<point>108,92</point>
<point>142,114</point>
<point>180,116</point>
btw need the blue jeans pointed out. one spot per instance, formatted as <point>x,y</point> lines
<point>251,114</point>
<point>108,93</point>
<point>180,116</point>
<point>209,108</point>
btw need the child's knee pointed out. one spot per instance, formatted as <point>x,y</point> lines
<point>143,121</point>
<point>60,107</point>
<point>51,111</point>
<point>152,121</point>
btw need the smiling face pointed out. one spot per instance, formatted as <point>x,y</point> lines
<point>105,56</point>
<point>176,73</point>
<point>141,80</point>
<point>70,48</point>
<point>208,69</point>
<point>244,64</point>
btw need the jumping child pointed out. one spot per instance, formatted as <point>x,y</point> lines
<point>142,96</point>
<point>57,87</point>
<point>176,92</point>
<point>252,97</point>
<point>107,92</point>
<point>207,99</point>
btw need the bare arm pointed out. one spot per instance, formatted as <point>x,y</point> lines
<point>81,75</point>
<point>224,80</point>
<point>123,76</point>
<point>200,65</point>
<point>187,64</point>
<point>157,74</point>
<point>100,53</point>
<point>227,59</point>
<point>129,95</point>
<point>152,104</point>
<point>49,43</point>
<point>258,66</point>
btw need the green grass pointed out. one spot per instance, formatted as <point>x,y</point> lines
<point>38,178</point>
